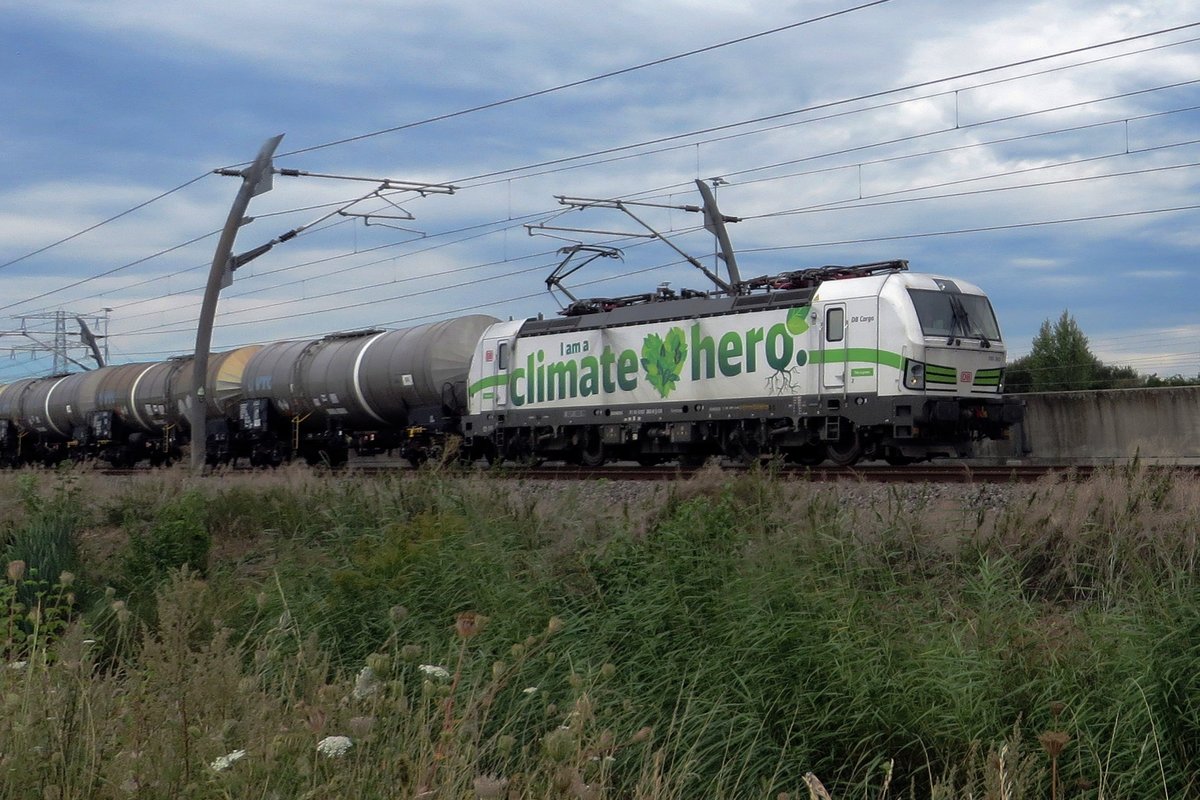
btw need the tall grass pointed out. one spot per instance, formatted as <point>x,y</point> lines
<point>728,637</point>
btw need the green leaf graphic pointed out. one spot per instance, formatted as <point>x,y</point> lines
<point>663,359</point>
<point>797,320</point>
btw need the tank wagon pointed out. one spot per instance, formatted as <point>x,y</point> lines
<point>366,391</point>
<point>837,363</point>
<point>119,414</point>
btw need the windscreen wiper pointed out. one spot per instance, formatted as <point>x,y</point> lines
<point>962,319</point>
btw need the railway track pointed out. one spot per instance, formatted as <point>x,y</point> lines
<point>919,473</point>
<point>956,473</point>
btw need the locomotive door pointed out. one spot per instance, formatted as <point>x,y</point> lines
<point>862,341</point>
<point>833,347</point>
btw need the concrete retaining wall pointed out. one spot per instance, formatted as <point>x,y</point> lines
<point>1158,425</point>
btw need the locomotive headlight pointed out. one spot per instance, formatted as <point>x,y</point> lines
<point>914,374</point>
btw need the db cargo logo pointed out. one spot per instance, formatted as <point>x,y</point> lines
<point>964,377</point>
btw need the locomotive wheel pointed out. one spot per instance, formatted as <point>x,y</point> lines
<point>809,455</point>
<point>520,452</point>
<point>743,448</point>
<point>592,452</point>
<point>491,455</point>
<point>846,451</point>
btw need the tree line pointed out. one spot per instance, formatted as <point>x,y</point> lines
<point>1061,361</point>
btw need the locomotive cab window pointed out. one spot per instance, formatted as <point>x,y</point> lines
<point>952,314</point>
<point>835,324</point>
<point>502,356</point>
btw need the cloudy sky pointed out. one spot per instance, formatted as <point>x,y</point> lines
<point>1047,151</point>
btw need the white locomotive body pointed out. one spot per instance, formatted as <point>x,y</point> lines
<point>842,363</point>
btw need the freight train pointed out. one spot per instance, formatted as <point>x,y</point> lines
<point>837,363</point>
<point>840,363</point>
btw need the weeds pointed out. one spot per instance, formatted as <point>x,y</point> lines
<point>449,636</point>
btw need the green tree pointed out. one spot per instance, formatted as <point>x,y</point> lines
<point>1173,380</point>
<point>1017,377</point>
<point>1113,377</point>
<point>1060,359</point>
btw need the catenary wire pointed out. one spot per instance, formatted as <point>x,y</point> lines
<point>584,81</point>
<point>482,107</point>
<point>991,69</point>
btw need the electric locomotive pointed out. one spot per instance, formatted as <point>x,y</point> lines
<point>837,363</point>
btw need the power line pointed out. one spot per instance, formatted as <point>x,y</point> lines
<point>159,328</point>
<point>483,107</point>
<point>981,229</point>
<point>957,148</point>
<point>814,209</point>
<point>976,124</point>
<point>832,103</point>
<point>583,81</point>
<point>112,271</point>
<point>104,222</point>
<point>472,182</point>
<point>750,170</point>
<point>946,233</point>
<point>850,205</point>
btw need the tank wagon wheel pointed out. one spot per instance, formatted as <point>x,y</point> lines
<point>323,457</point>
<point>271,459</point>
<point>846,451</point>
<point>896,458</point>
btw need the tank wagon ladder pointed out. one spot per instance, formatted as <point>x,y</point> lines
<point>168,438</point>
<point>297,421</point>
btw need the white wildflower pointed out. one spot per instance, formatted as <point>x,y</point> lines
<point>18,665</point>
<point>226,761</point>
<point>366,684</point>
<point>529,689</point>
<point>434,671</point>
<point>334,746</point>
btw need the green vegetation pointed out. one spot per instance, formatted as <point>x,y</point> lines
<point>1061,361</point>
<point>440,636</point>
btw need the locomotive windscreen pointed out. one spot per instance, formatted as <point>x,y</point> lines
<point>955,314</point>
